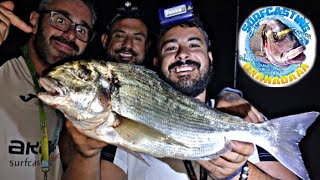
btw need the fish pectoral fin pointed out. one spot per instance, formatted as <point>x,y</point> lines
<point>171,141</point>
<point>138,133</point>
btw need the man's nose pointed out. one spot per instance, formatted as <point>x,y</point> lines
<point>128,43</point>
<point>183,53</point>
<point>70,34</point>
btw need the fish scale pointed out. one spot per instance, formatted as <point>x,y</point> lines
<point>131,107</point>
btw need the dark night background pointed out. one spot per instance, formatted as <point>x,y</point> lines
<point>220,19</point>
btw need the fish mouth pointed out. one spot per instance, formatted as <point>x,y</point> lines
<point>53,87</point>
<point>295,54</point>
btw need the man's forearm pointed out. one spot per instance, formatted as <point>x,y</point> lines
<point>272,170</point>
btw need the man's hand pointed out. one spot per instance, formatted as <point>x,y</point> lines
<point>233,103</point>
<point>229,163</point>
<point>80,156</point>
<point>85,145</point>
<point>7,18</point>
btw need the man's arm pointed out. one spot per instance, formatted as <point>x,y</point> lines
<point>80,156</point>
<point>233,103</point>
<point>231,163</point>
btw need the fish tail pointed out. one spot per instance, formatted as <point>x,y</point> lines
<point>289,131</point>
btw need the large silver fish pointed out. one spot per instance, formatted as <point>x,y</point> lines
<point>129,106</point>
<point>275,43</point>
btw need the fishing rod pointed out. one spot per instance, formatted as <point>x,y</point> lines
<point>235,68</point>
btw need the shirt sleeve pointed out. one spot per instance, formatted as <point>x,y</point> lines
<point>108,153</point>
<point>229,89</point>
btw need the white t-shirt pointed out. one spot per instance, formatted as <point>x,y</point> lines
<point>20,154</point>
<point>150,168</point>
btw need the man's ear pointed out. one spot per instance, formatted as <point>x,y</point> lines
<point>104,39</point>
<point>148,44</point>
<point>34,20</point>
<point>210,56</point>
<point>156,62</point>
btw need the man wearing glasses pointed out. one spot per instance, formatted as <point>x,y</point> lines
<point>30,130</point>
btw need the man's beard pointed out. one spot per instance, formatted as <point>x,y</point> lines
<point>193,87</point>
<point>42,47</point>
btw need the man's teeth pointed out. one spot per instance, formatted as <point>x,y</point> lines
<point>184,68</point>
<point>126,54</point>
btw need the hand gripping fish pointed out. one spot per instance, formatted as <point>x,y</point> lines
<point>130,106</point>
<point>275,43</point>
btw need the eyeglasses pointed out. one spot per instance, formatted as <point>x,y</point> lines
<point>63,23</point>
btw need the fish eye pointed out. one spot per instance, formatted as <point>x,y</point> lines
<point>275,36</point>
<point>83,74</point>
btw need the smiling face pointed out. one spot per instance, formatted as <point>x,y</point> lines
<point>185,61</point>
<point>53,45</point>
<point>128,41</point>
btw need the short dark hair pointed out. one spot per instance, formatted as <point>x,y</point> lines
<point>195,22</point>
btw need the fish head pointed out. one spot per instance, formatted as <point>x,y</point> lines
<point>275,43</point>
<point>77,89</point>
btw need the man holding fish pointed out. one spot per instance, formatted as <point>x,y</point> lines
<point>29,129</point>
<point>185,62</point>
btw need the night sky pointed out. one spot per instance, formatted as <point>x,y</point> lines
<point>221,23</point>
